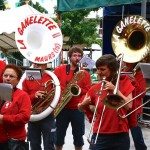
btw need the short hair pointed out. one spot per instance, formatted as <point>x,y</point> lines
<point>17,69</point>
<point>75,49</point>
<point>110,61</point>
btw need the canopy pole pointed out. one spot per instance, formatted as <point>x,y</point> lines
<point>122,11</point>
<point>143,8</point>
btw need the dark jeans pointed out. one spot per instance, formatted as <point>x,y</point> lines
<point>137,136</point>
<point>4,146</point>
<point>76,118</point>
<point>118,141</point>
<point>45,128</point>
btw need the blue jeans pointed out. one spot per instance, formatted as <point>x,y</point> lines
<point>76,118</point>
<point>119,141</point>
<point>45,128</point>
<point>137,136</point>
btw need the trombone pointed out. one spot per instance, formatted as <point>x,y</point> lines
<point>125,116</point>
<point>94,115</point>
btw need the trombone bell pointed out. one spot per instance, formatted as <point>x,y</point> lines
<point>113,101</point>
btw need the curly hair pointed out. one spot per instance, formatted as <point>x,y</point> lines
<point>17,69</point>
<point>75,50</point>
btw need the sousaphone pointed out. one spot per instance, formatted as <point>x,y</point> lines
<point>39,39</point>
<point>131,37</point>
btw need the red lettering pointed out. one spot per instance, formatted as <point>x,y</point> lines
<point>45,58</point>
<point>20,31</point>
<point>26,22</point>
<point>31,20</point>
<point>45,19</point>
<point>22,43</point>
<point>52,27</point>
<point>23,26</point>
<point>35,21</point>
<point>40,19</point>
<point>56,35</point>
<point>37,59</point>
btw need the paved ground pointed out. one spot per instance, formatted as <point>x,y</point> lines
<point>69,140</point>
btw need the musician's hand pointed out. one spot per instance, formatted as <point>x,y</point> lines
<point>85,102</point>
<point>40,94</point>
<point>109,86</point>
<point>132,79</point>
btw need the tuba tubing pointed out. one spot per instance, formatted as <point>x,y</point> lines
<point>46,112</point>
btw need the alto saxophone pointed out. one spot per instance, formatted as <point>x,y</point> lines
<point>72,89</point>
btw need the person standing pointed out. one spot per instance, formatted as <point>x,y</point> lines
<point>70,113</point>
<point>139,83</point>
<point>14,114</point>
<point>113,133</point>
<point>44,128</point>
<point>2,66</point>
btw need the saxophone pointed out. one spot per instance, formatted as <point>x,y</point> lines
<point>72,89</point>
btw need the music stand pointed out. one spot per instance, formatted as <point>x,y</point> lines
<point>33,74</point>
<point>5,91</point>
<point>145,68</point>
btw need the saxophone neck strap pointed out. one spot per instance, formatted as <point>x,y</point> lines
<point>68,69</point>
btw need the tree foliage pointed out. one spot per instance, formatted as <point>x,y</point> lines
<point>2,6</point>
<point>78,28</point>
<point>37,6</point>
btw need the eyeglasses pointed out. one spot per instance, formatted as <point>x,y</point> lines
<point>75,55</point>
<point>10,76</point>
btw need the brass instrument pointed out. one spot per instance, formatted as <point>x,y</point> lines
<point>125,116</point>
<point>114,100</point>
<point>42,104</point>
<point>131,39</point>
<point>72,89</point>
<point>94,115</point>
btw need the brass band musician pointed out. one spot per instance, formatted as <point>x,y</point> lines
<point>114,131</point>
<point>44,128</point>
<point>70,114</point>
<point>2,66</point>
<point>139,83</point>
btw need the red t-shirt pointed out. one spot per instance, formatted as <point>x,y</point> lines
<point>84,84</point>
<point>2,66</point>
<point>140,86</point>
<point>111,122</point>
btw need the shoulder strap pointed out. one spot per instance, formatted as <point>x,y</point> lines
<point>67,69</point>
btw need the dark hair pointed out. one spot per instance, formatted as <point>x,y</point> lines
<point>17,69</point>
<point>75,50</point>
<point>108,60</point>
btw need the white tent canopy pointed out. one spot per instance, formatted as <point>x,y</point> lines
<point>10,20</point>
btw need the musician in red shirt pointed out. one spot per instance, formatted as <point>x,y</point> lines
<point>14,114</point>
<point>113,131</point>
<point>70,113</point>
<point>2,66</point>
<point>139,83</point>
<point>45,128</point>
